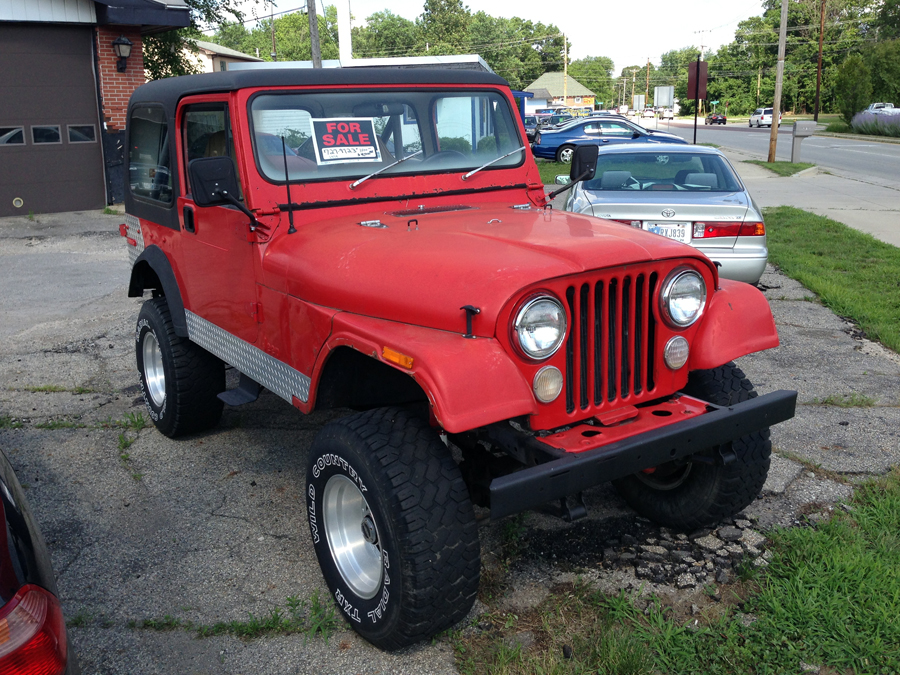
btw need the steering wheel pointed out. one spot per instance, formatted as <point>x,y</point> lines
<point>443,154</point>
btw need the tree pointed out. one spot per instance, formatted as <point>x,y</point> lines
<point>386,34</point>
<point>853,87</point>
<point>883,59</point>
<point>169,53</point>
<point>595,73</point>
<point>444,25</point>
<point>888,21</point>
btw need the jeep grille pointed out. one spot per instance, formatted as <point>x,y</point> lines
<point>611,345</point>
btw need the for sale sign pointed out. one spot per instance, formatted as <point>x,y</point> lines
<point>345,139</point>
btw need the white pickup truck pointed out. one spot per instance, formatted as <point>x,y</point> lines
<point>882,109</point>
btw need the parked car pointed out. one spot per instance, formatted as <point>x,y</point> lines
<point>428,289</point>
<point>690,194</point>
<point>762,117</point>
<point>715,118</point>
<point>882,109</point>
<point>33,635</point>
<point>667,114</point>
<point>560,144</point>
<point>531,126</point>
<point>557,121</point>
<point>648,112</point>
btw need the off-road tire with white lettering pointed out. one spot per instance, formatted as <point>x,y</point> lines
<point>193,376</point>
<point>702,493</point>
<point>426,530</point>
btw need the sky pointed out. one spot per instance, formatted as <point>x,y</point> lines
<point>627,32</point>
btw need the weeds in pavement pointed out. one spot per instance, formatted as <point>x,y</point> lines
<point>852,400</point>
<point>311,618</point>
<point>45,388</point>
<point>7,422</point>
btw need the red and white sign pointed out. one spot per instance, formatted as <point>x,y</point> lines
<point>339,140</point>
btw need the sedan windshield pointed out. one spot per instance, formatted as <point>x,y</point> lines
<point>332,136</point>
<point>665,171</point>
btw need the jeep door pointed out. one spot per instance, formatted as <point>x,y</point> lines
<point>218,257</point>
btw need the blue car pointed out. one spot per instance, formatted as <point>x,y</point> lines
<point>560,144</point>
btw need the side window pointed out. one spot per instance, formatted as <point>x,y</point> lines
<point>474,124</point>
<point>206,131</point>
<point>592,129</point>
<point>616,130</point>
<point>149,174</point>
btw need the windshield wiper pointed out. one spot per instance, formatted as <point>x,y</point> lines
<point>493,161</point>
<point>362,180</point>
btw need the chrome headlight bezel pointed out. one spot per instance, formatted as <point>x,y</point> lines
<point>519,322</point>
<point>665,298</point>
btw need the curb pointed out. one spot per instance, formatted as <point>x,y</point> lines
<point>811,171</point>
<point>858,137</point>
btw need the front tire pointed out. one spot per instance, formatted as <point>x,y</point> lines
<point>392,526</point>
<point>180,381</point>
<point>565,154</point>
<point>688,495</point>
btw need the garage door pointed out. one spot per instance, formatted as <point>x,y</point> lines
<point>50,154</point>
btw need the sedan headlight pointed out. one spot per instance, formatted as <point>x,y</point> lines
<point>683,298</point>
<point>540,327</point>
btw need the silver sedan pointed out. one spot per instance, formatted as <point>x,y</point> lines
<point>684,192</point>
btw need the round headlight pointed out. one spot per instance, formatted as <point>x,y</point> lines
<point>683,298</point>
<point>540,327</point>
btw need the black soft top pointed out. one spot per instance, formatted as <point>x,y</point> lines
<point>169,90</point>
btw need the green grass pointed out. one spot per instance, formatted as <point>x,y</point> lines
<point>315,617</point>
<point>839,127</point>
<point>829,597</point>
<point>110,211</point>
<point>854,274</point>
<point>781,168</point>
<point>710,145</point>
<point>550,170</point>
<point>45,388</point>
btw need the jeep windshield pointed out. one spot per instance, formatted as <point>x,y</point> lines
<point>333,136</point>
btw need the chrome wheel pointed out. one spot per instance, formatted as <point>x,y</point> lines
<point>566,154</point>
<point>154,373</point>
<point>352,536</point>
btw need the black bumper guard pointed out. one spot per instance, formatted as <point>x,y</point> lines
<point>575,472</point>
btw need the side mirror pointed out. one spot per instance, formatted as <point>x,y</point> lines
<point>584,162</point>
<point>636,134</point>
<point>563,180</point>
<point>213,180</point>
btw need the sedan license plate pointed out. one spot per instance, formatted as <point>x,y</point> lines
<point>676,231</point>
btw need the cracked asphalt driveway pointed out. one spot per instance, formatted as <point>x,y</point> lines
<point>212,527</point>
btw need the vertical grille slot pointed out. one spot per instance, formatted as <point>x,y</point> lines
<point>611,344</point>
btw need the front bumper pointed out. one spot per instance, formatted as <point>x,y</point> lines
<point>574,472</point>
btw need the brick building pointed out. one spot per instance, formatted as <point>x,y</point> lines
<point>63,97</point>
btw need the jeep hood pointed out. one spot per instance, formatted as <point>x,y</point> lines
<point>421,269</point>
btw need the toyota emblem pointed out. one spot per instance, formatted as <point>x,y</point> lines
<point>668,213</point>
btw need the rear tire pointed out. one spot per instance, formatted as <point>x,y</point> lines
<point>565,154</point>
<point>688,495</point>
<point>392,526</point>
<point>180,381</point>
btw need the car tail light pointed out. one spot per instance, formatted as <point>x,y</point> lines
<point>753,229</point>
<point>632,223</point>
<point>32,634</point>
<point>711,228</point>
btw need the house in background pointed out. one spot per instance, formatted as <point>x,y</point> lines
<point>212,57</point>
<point>557,90</point>
<point>64,93</point>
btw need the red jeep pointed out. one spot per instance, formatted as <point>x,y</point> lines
<point>380,240</point>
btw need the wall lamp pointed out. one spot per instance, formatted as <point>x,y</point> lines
<point>122,47</point>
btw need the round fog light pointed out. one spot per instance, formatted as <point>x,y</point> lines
<point>547,384</point>
<point>677,351</point>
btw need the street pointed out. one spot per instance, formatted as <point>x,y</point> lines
<point>879,162</point>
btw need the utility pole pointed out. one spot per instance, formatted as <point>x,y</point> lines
<point>633,71</point>
<point>776,104</point>
<point>272,22</point>
<point>565,71</point>
<point>758,82</point>
<point>647,92</point>
<point>314,33</point>
<point>819,70</point>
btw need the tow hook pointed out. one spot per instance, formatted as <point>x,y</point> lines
<point>572,508</point>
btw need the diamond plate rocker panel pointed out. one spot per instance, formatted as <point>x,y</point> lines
<point>135,233</point>
<point>274,375</point>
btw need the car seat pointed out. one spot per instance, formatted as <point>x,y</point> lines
<point>705,179</point>
<point>614,180</point>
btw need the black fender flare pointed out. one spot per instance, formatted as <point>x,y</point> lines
<point>154,258</point>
